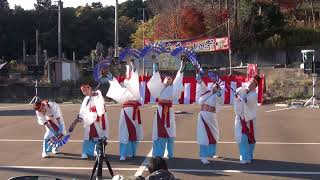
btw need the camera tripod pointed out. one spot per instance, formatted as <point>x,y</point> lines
<point>312,100</point>
<point>35,97</point>
<point>99,160</point>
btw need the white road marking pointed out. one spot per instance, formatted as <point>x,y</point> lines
<point>30,105</point>
<point>144,164</point>
<point>282,109</point>
<point>68,104</point>
<point>14,106</point>
<point>179,142</point>
<point>174,170</point>
<point>63,168</point>
<point>247,171</point>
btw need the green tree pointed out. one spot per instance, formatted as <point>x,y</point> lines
<point>145,32</point>
<point>18,8</point>
<point>127,26</point>
<point>96,5</point>
<point>259,21</point>
<point>132,9</point>
<point>43,4</point>
<point>4,4</point>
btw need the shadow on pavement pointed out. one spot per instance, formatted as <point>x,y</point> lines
<point>53,173</point>
<point>259,165</point>
<point>193,167</point>
<point>17,113</point>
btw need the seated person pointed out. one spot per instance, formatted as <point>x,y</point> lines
<point>158,169</point>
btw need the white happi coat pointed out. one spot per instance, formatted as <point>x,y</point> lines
<point>90,117</point>
<point>128,92</point>
<point>246,110</point>
<point>159,90</point>
<point>207,97</point>
<point>52,113</point>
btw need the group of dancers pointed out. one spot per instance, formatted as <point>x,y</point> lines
<point>95,120</point>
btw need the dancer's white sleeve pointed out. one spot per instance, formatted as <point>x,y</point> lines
<point>116,91</point>
<point>99,103</point>
<point>200,90</point>
<point>155,85</point>
<point>133,85</point>
<point>177,85</point>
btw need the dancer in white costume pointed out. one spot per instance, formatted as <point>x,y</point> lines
<point>245,107</point>
<point>94,117</point>
<point>49,115</point>
<point>210,100</point>
<point>130,127</point>
<point>164,126</point>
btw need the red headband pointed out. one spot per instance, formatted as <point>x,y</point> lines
<point>38,106</point>
<point>84,86</point>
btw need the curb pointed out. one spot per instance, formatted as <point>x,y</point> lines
<point>67,102</point>
<point>281,105</point>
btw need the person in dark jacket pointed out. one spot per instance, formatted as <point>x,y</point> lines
<point>158,169</point>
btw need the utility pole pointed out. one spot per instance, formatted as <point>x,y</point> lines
<point>74,56</point>
<point>37,47</point>
<point>45,52</point>
<point>229,39</point>
<point>24,50</point>
<point>143,29</point>
<point>116,36</point>
<point>59,29</point>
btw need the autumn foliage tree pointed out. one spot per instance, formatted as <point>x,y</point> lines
<point>181,23</point>
<point>193,22</point>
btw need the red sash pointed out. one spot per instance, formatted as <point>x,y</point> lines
<point>103,119</point>
<point>209,133</point>
<point>248,131</point>
<point>93,131</point>
<point>53,125</point>
<point>165,115</point>
<point>162,132</point>
<point>131,128</point>
<point>136,110</point>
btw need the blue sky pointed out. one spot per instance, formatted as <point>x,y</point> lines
<point>29,4</point>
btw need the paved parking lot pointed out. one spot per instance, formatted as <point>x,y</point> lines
<point>288,145</point>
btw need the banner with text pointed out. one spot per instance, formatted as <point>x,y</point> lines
<point>199,45</point>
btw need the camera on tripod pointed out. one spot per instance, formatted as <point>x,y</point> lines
<point>101,156</point>
<point>102,142</point>
<point>311,66</point>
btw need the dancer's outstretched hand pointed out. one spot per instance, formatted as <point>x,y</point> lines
<point>198,78</point>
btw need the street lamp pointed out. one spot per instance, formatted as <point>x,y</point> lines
<point>116,36</point>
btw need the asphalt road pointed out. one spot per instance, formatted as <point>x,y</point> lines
<point>288,145</point>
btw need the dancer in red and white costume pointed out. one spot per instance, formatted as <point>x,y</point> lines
<point>49,114</point>
<point>94,117</point>
<point>130,126</point>
<point>245,108</point>
<point>210,100</point>
<point>164,125</point>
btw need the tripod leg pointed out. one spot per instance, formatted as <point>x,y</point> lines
<point>308,101</point>
<point>32,100</point>
<point>99,172</point>
<point>94,169</point>
<point>109,166</point>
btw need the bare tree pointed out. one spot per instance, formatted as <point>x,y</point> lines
<point>313,16</point>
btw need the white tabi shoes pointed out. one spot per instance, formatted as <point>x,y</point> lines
<point>55,151</point>
<point>245,162</point>
<point>215,157</point>
<point>84,156</point>
<point>205,161</point>
<point>44,155</point>
<point>122,158</point>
